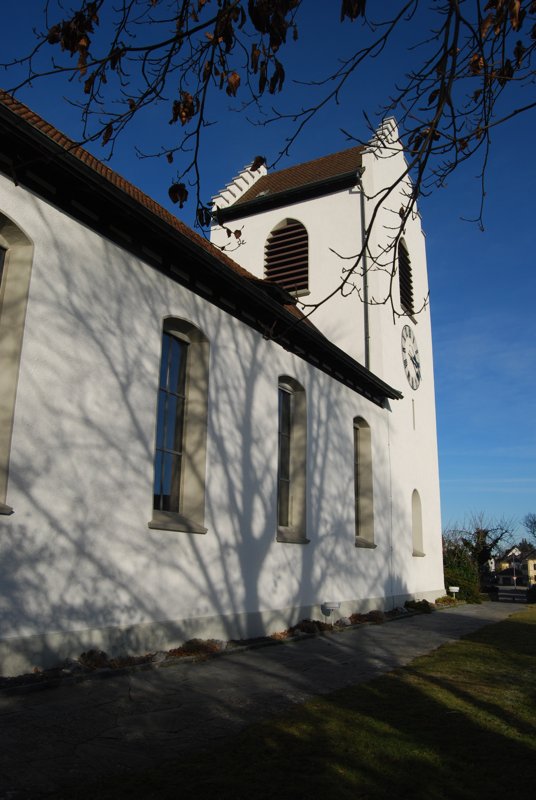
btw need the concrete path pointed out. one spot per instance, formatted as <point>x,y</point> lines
<point>54,737</point>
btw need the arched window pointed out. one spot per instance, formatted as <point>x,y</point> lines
<point>292,460</point>
<point>364,499</point>
<point>405,279</point>
<point>181,429</point>
<point>16,255</point>
<point>287,257</point>
<point>416,524</point>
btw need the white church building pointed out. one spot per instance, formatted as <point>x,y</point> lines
<point>182,453</point>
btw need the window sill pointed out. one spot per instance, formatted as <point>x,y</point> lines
<point>172,521</point>
<point>418,554</point>
<point>5,509</point>
<point>288,536</point>
<point>366,543</point>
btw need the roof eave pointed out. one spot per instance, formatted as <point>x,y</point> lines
<point>240,296</point>
<point>288,196</point>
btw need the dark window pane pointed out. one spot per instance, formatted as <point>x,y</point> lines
<point>161,418</point>
<point>174,363</point>
<point>164,364</point>
<point>170,424</point>
<point>176,464</point>
<point>284,411</point>
<point>179,425</point>
<point>284,457</point>
<point>157,479</point>
<point>181,382</point>
<point>171,420</point>
<point>283,495</point>
<point>167,482</point>
<point>356,477</point>
<point>283,504</point>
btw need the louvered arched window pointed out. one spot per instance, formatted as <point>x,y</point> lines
<point>287,257</point>
<point>405,278</point>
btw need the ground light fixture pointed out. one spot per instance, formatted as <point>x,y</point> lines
<point>326,608</point>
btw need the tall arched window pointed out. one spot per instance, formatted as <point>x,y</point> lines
<point>287,257</point>
<point>363,493</point>
<point>292,461</point>
<point>181,429</point>
<point>16,255</point>
<point>416,524</point>
<point>405,279</point>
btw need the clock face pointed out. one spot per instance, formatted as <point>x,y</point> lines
<point>410,357</point>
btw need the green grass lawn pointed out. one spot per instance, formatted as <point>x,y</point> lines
<point>458,723</point>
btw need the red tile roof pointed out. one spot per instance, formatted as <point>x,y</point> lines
<point>319,169</point>
<point>23,112</point>
<point>337,164</point>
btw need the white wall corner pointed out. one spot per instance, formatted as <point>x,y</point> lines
<point>385,139</point>
<point>238,186</point>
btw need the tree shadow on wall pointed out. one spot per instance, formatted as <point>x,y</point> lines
<point>77,553</point>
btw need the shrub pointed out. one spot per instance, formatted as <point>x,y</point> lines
<point>462,571</point>
<point>446,600</point>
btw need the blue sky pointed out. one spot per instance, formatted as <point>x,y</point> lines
<point>483,284</point>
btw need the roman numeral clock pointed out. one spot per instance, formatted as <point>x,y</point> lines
<point>410,357</point>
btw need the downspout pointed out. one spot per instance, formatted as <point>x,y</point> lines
<point>360,172</point>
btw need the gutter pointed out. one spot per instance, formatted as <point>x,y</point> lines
<point>360,172</point>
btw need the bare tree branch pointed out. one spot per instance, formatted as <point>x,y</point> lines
<point>472,71</point>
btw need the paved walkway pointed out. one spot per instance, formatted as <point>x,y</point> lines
<point>50,738</point>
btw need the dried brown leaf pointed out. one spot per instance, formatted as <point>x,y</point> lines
<point>476,64</point>
<point>88,85</point>
<point>519,52</point>
<point>178,193</point>
<point>486,25</point>
<point>233,82</point>
<point>108,132</point>
<point>352,9</point>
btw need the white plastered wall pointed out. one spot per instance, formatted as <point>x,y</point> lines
<point>335,234</point>
<point>78,565</point>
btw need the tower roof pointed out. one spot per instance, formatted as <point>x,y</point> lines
<point>310,172</point>
<point>311,179</point>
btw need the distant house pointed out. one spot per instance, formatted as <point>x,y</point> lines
<point>516,568</point>
<point>181,452</point>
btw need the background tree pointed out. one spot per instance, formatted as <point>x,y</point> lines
<point>481,540</point>
<point>471,58</point>
<point>460,569</point>
<point>529,523</point>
